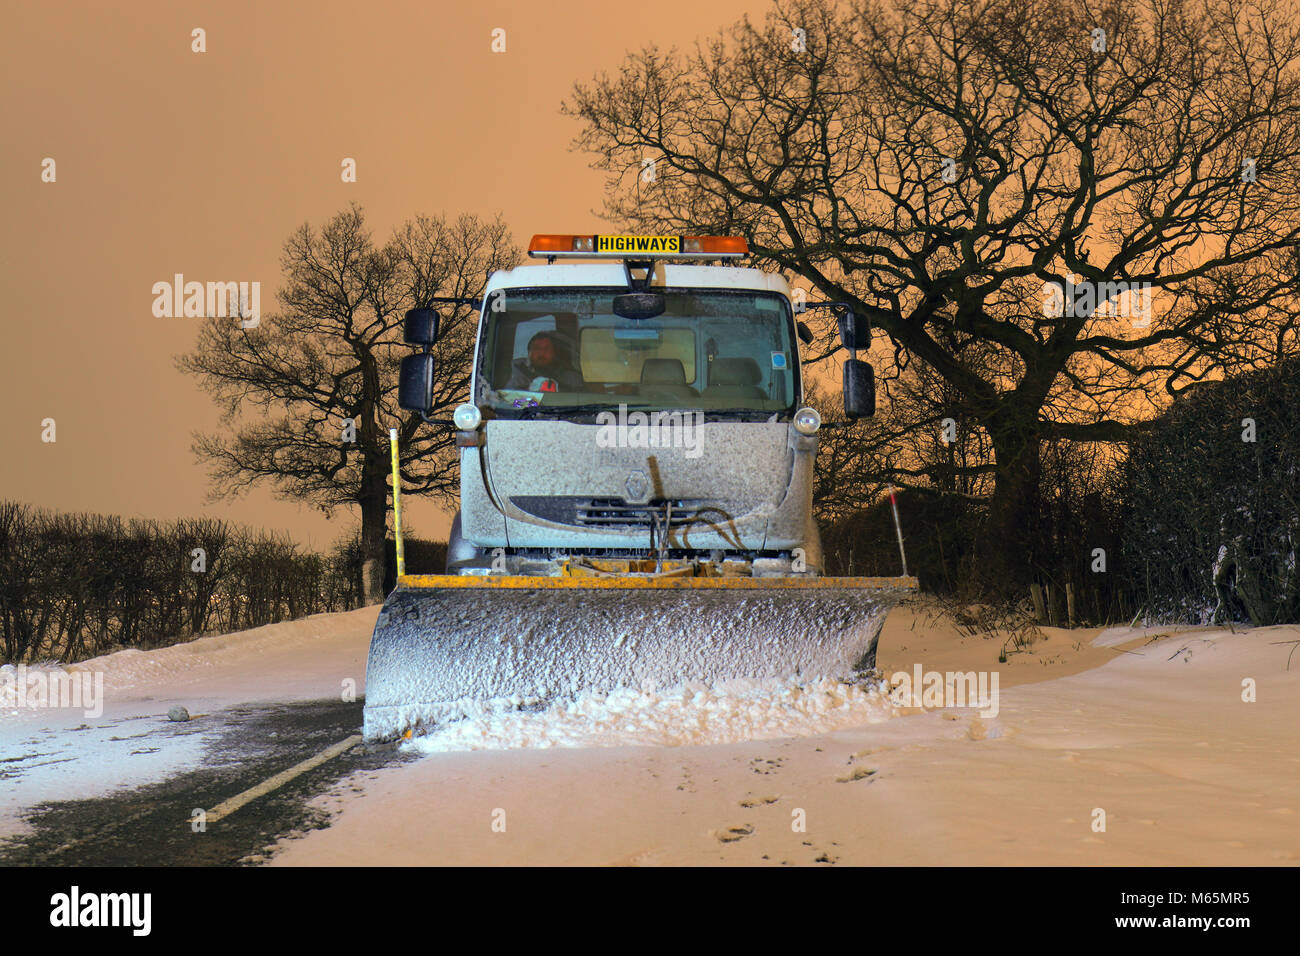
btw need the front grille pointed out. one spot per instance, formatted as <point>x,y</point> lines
<point>615,513</point>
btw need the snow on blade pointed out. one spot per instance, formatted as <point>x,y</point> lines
<point>689,714</point>
<point>441,654</point>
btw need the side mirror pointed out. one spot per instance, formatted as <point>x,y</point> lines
<point>639,305</point>
<point>855,330</point>
<point>805,333</point>
<point>415,383</point>
<point>420,327</point>
<point>859,389</point>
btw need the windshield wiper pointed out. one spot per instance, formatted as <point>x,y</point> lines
<point>763,413</point>
<point>532,410</point>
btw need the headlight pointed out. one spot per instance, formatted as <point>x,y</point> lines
<point>807,421</point>
<point>467,417</point>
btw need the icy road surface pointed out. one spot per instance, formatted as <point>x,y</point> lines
<point>65,754</point>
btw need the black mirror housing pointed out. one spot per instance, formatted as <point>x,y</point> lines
<point>855,330</point>
<point>859,389</point>
<point>415,383</point>
<point>639,305</point>
<point>421,327</point>
<point>805,333</point>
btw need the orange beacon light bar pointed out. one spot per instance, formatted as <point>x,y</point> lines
<point>641,247</point>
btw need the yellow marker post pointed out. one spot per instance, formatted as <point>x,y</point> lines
<point>397,504</point>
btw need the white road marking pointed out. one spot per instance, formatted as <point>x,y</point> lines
<point>227,807</point>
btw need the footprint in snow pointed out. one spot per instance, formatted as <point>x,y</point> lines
<point>980,730</point>
<point>732,834</point>
<point>858,773</point>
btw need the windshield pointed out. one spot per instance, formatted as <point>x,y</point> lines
<point>564,349</point>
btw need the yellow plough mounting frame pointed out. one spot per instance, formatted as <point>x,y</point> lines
<point>665,582</point>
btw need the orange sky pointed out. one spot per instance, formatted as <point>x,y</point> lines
<point>172,161</point>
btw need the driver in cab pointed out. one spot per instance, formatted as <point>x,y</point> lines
<point>543,370</point>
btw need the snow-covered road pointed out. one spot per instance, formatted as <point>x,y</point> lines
<point>1141,747</point>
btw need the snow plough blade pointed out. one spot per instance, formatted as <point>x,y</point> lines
<point>448,646</point>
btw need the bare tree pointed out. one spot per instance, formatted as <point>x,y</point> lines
<point>948,160</point>
<point>310,392</point>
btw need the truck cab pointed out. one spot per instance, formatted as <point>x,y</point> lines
<point>635,413</point>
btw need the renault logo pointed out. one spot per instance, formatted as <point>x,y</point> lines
<point>637,486</point>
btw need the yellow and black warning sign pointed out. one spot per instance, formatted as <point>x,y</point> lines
<point>645,244</point>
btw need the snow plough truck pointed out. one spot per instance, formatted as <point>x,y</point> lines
<point>636,490</point>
